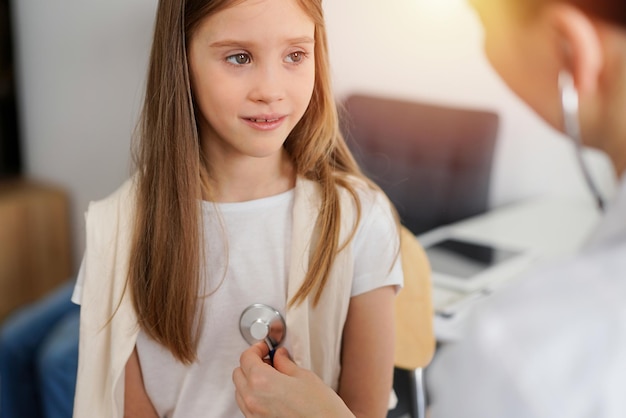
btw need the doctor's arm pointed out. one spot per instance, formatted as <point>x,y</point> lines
<point>284,390</point>
<point>137,404</point>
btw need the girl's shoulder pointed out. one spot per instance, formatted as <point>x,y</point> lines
<point>116,207</point>
<point>122,195</point>
<point>369,195</point>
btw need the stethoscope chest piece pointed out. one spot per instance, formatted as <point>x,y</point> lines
<point>260,322</point>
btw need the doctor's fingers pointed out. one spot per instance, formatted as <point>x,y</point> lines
<point>260,349</point>
<point>240,388</point>
<point>284,364</point>
<point>247,404</point>
<point>254,372</point>
<point>255,356</point>
<point>254,394</point>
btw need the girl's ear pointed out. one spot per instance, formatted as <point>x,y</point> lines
<point>582,47</point>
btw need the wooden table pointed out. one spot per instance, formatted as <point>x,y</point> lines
<point>35,248</point>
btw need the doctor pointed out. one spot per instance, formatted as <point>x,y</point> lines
<point>553,344</point>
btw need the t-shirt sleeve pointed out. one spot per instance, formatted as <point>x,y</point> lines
<point>376,246</point>
<point>77,295</point>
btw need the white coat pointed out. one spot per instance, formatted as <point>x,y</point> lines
<point>553,344</point>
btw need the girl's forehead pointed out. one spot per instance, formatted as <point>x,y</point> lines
<point>287,12</point>
<point>259,20</point>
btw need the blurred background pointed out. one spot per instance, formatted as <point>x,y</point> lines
<point>71,85</point>
<point>80,66</point>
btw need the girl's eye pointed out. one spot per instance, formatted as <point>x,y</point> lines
<point>295,57</point>
<point>239,59</point>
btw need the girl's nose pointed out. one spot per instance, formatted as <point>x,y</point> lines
<point>268,85</point>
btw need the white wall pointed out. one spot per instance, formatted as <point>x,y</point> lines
<point>82,65</point>
<point>81,68</point>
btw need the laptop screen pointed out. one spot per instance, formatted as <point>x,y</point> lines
<point>465,259</point>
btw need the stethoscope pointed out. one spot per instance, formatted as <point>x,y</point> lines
<point>259,322</point>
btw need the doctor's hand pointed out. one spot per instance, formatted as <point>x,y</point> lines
<point>284,390</point>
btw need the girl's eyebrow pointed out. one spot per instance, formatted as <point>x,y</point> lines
<point>233,43</point>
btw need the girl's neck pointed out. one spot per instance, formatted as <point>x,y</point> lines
<point>250,178</point>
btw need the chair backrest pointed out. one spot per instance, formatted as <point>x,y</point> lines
<point>434,162</point>
<point>415,338</point>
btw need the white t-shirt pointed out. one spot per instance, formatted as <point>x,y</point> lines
<point>247,247</point>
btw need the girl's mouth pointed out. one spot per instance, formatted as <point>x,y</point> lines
<point>265,124</point>
<point>264,120</point>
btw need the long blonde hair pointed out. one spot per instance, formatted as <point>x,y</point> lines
<point>165,262</point>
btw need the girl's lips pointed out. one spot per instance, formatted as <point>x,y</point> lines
<point>265,123</point>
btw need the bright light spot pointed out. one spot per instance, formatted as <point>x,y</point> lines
<point>440,7</point>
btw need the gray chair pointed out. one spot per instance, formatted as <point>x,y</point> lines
<point>434,162</point>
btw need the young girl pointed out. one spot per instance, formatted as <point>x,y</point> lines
<point>245,193</point>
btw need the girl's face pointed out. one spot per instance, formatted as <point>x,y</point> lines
<point>252,69</point>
